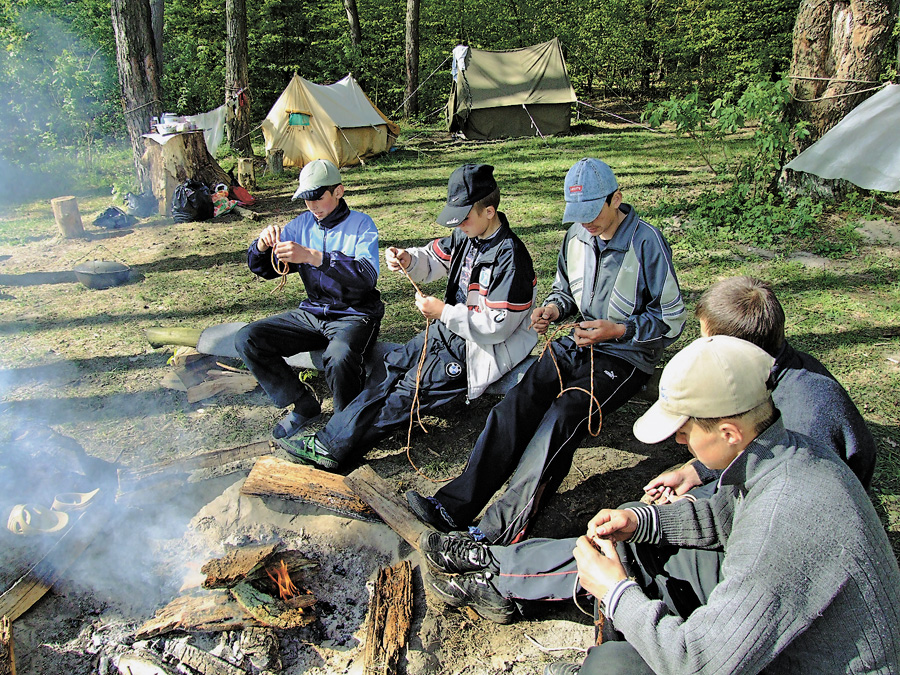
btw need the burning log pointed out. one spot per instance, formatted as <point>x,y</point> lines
<point>235,565</point>
<point>389,620</point>
<point>214,611</point>
<point>201,661</point>
<point>273,477</point>
<point>7,653</point>
<point>268,592</point>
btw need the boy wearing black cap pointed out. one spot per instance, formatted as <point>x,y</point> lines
<point>615,271</point>
<point>335,251</point>
<point>481,328</point>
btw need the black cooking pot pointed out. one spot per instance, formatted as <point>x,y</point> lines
<point>102,273</point>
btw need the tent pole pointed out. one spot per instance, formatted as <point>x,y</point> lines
<point>534,124</point>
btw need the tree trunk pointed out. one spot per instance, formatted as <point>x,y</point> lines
<point>157,12</point>
<point>836,41</point>
<point>411,104</point>
<point>139,73</point>
<point>353,19</point>
<point>237,77</point>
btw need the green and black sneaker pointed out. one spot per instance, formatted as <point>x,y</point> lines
<point>307,450</point>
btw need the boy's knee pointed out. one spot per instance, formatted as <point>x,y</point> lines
<point>243,339</point>
<point>339,353</point>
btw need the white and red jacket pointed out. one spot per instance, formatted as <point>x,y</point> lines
<point>495,320</point>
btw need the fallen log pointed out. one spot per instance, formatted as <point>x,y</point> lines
<point>389,619</point>
<point>378,493</point>
<point>7,653</point>
<point>246,213</point>
<point>274,477</point>
<point>162,336</point>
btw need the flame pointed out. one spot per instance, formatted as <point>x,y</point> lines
<point>282,579</point>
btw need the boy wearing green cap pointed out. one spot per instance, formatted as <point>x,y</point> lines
<point>479,332</point>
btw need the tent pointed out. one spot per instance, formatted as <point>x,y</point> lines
<point>336,121</point>
<point>521,92</point>
<point>863,148</point>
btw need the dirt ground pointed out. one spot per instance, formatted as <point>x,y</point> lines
<point>98,385</point>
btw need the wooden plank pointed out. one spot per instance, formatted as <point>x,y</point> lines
<point>7,653</point>
<point>383,499</point>
<point>389,619</point>
<point>143,476</point>
<point>32,586</point>
<point>212,611</point>
<point>274,477</point>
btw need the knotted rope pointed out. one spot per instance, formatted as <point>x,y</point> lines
<point>282,269</point>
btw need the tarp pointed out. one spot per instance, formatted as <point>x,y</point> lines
<point>336,121</point>
<point>521,92</point>
<point>863,148</point>
<point>213,125</point>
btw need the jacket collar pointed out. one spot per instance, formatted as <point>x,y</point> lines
<point>339,215</point>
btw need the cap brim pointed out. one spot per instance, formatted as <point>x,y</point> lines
<point>451,216</point>
<point>583,212</point>
<point>657,425</point>
<point>311,195</point>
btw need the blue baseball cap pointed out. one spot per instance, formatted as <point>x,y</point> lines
<point>588,183</point>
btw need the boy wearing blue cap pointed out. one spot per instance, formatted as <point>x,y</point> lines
<point>615,273</point>
<point>335,251</point>
<point>480,330</point>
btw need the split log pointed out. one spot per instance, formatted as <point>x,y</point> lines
<point>261,647</point>
<point>274,477</point>
<point>389,620</point>
<point>7,653</point>
<point>235,565</point>
<point>162,336</point>
<point>201,661</point>
<point>145,476</point>
<point>379,494</point>
<point>32,586</point>
<point>183,156</point>
<point>275,161</point>
<point>213,611</point>
<point>246,174</point>
<point>68,219</point>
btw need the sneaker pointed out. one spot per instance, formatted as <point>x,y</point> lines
<point>307,450</point>
<point>473,590</point>
<point>562,668</point>
<point>454,553</point>
<point>430,512</point>
<point>292,424</point>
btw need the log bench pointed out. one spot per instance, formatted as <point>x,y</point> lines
<point>219,341</point>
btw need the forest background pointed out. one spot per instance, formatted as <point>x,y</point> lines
<point>62,103</point>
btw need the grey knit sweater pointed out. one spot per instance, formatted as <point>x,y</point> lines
<point>810,584</point>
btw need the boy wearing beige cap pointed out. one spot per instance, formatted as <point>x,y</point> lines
<point>335,252</point>
<point>807,583</point>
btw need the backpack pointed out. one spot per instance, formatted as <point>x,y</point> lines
<point>191,201</point>
<point>114,218</point>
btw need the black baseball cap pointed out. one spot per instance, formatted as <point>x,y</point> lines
<point>469,184</point>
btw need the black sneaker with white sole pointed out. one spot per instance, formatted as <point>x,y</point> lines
<point>474,590</point>
<point>455,552</point>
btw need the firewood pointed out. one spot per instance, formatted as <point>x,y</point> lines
<point>389,619</point>
<point>213,611</point>
<point>261,646</point>
<point>235,564</point>
<point>142,662</point>
<point>272,611</point>
<point>68,219</point>
<point>146,476</point>
<point>201,661</point>
<point>274,477</point>
<point>246,213</point>
<point>379,494</point>
<point>7,653</point>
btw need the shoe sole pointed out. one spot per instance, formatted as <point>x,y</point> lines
<point>497,616</point>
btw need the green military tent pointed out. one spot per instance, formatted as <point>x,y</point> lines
<point>520,92</point>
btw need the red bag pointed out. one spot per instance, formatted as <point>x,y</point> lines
<point>241,195</point>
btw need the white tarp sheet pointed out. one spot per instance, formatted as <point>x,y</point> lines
<point>213,125</point>
<point>863,148</point>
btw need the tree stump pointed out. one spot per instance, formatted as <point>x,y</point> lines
<point>275,161</point>
<point>181,157</point>
<point>246,175</point>
<point>65,212</point>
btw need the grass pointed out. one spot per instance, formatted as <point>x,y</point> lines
<point>77,358</point>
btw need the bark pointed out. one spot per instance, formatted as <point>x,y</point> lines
<point>7,651</point>
<point>836,41</point>
<point>237,76</point>
<point>389,619</point>
<point>353,20</point>
<point>157,12</point>
<point>139,74</point>
<point>411,103</point>
<point>383,499</point>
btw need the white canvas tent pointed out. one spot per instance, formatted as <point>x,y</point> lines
<point>337,122</point>
<point>863,148</point>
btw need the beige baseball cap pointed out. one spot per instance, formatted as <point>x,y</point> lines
<point>315,177</point>
<point>718,376</point>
